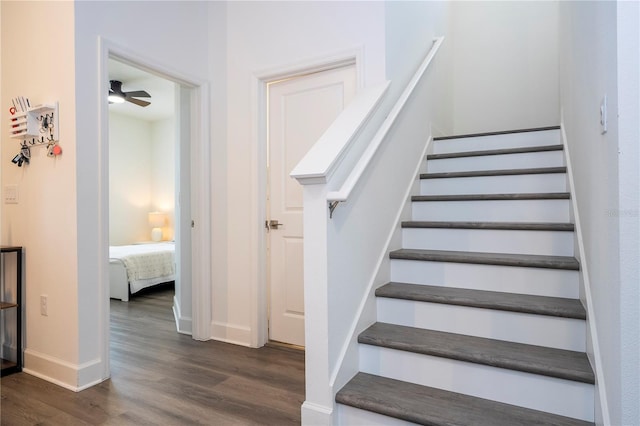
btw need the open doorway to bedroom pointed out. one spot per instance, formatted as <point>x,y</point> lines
<point>149,196</point>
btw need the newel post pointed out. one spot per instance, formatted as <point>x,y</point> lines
<point>318,406</point>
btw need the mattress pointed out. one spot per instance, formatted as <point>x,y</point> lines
<point>138,266</point>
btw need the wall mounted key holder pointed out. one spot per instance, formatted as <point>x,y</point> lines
<point>34,126</point>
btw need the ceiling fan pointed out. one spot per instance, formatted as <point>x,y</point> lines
<point>116,95</point>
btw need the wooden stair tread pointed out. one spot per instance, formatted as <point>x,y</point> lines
<point>503,151</point>
<point>501,172</point>
<point>436,407</point>
<point>501,259</point>
<point>524,226</point>
<point>502,132</point>
<point>559,363</point>
<point>522,303</point>
<point>494,197</point>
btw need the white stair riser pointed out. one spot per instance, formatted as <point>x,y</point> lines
<point>497,162</point>
<point>557,396</point>
<point>493,211</point>
<point>553,243</point>
<point>510,184</point>
<point>539,330</point>
<point>513,140</point>
<point>510,279</point>
<point>348,415</point>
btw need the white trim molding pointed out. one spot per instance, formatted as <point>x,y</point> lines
<point>183,324</point>
<point>75,377</point>
<point>596,359</point>
<point>231,333</point>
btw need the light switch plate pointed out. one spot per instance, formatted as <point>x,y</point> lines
<point>11,194</point>
<point>603,115</point>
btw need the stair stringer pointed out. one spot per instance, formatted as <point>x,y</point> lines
<point>593,349</point>
<point>348,363</point>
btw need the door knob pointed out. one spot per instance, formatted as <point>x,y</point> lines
<point>273,224</point>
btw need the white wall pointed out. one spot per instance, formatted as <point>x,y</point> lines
<point>219,179</point>
<point>628,38</point>
<point>129,179</point>
<point>141,177</point>
<point>262,36</point>
<point>598,57</point>
<point>505,65</point>
<point>44,220</point>
<point>162,152</point>
<point>410,28</point>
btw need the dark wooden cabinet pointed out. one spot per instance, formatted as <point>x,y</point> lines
<point>11,308</point>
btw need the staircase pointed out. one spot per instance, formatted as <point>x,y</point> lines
<point>481,324</point>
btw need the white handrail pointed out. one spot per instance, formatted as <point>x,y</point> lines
<point>343,193</point>
<point>325,155</point>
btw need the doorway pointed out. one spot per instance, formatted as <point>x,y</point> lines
<point>299,110</point>
<point>194,131</point>
<point>149,152</point>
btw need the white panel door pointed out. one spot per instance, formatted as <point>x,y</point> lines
<point>300,110</point>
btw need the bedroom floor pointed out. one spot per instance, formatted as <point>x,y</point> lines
<point>160,377</point>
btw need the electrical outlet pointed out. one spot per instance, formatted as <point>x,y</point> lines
<point>44,308</point>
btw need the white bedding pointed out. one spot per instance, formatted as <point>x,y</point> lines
<point>138,266</point>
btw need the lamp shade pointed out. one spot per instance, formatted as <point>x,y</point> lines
<point>157,219</point>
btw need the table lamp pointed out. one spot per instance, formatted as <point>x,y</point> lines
<point>157,221</point>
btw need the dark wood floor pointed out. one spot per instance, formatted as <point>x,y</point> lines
<point>160,377</point>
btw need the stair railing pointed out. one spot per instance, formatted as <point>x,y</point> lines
<point>369,159</point>
<point>335,197</point>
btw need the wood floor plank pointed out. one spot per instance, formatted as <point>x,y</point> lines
<point>501,151</point>
<point>162,377</point>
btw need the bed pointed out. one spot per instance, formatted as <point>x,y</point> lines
<point>139,266</point>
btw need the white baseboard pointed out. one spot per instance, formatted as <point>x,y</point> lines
<point>231,333</point>
<point>65,374</point>
<point>184,325</point>
<point>316,415</point>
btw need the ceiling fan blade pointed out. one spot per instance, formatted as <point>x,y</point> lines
<point>138,94</point>
<point>137,101</point>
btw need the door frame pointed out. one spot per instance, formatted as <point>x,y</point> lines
<point>200,189</point>
<point>260,295</point>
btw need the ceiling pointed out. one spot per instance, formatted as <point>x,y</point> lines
<point>162,92</point>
